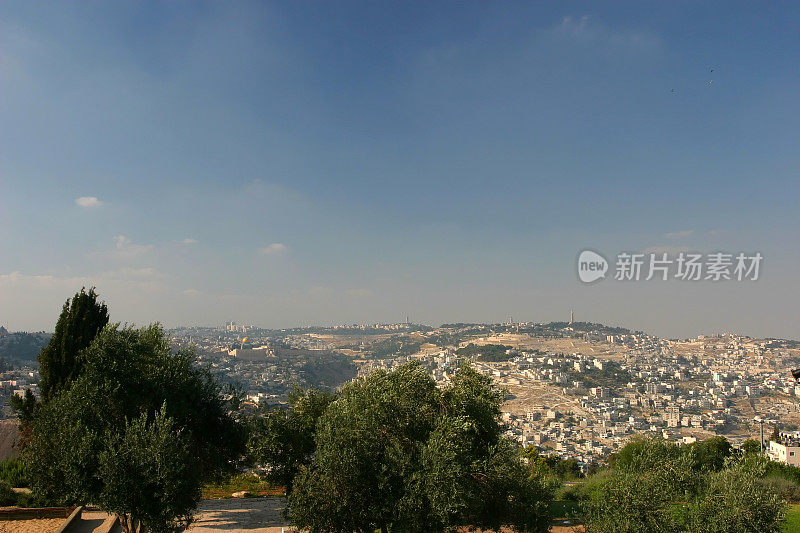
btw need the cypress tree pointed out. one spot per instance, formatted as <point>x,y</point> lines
<point>80,321</point>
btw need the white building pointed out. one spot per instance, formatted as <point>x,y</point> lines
<point>784,454</point>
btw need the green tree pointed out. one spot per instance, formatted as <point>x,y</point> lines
<point>283,439</point>
<point>551,465</point>
<point>659,487</point>
<point>734,502</point>
<point>148,476</point>
<point>395,451</point>
<point>644,453</point>
<point>128,374</point>
<point>751,447</point>
<point>25,406</point>
<point>709,454</point>
<point>80,321</point>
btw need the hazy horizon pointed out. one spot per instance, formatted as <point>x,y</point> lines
<point>295,163</point>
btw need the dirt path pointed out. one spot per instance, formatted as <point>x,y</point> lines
<point>251,515</point>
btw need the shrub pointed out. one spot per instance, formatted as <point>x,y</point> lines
<point>7,494</point>
<point>13,472</point>
<point>784,488</point>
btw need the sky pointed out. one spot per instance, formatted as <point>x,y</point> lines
<point>295,163</point>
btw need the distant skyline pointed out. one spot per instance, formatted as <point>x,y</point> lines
<point>293,163</point>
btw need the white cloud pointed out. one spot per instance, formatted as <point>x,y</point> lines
<point>679,234</point>
<point>588,32</point>
<point>189,241</point>
<point>43,281</point>
<point>275,248</point>
<point>121,241</point>
<point>126,248</point>
<point>88,202</point>
<point>122,276</point>
<point>191,292</point>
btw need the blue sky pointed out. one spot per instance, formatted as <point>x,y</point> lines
<point>296,163</point>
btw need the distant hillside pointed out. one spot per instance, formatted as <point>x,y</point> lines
<point>320,368</point>
<point>21,346</point>
<point>9,438</point>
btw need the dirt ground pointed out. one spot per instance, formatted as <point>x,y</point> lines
<point>601,350</point>
<point>41,525</point>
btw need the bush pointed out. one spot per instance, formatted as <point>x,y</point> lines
<point>735,502</point>
<point>7,494</point>
<point>656,487</point>
<point>787,490</point>
<point>586,489</point>
<point>13,472</point>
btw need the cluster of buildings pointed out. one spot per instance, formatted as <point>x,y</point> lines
<point>582,407</point>
<point>15,382</point>
<point>582,396</point>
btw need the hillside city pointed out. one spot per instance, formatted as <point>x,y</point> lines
<point>574,389</point>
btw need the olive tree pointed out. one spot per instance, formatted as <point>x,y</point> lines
<point>282,440</point>
<point>394,451</point>
<point>133,392</point>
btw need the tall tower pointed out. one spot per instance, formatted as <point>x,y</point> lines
<point>571,317</point>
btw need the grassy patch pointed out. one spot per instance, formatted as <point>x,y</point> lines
<point>565,509</point>
<point>792,524</point>
<point>249,483</point>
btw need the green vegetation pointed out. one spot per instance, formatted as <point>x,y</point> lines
<point>141,431</point>
<point>80,321</point>
<point>792,524</point>
<point>145,473</point>
<point>551,465</point>
<point>492,353</point>
<point>328,371</point>
<point>394,451</point>
<point>139,427</point>
<point>22,347</point>
<point>250,484</point>
<point>125,423</point>
<point>612,375</point>
<point>284,438</point>
<point>654,485</point>
<point>396,346</point>
<point>13,472</point>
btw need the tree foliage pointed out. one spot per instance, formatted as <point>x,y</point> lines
<point>395,451</point>
<point>80,321</point>
<point>656,486</point>
<point>750,447</point>
<point>551,465</point>
<point>283,439</point>
<point>132,388</point>
<point>147,474</point>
